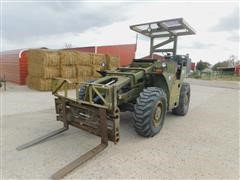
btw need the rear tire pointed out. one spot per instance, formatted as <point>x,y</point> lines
<point>184,100</point>
<point>149,111</point>
<point>82,90</point>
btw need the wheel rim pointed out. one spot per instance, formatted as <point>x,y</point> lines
<point>157,114</point>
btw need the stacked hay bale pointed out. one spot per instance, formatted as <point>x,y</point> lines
<point>89,63</point>
<point>43,65</point>
<point>113,62</point>
<point>99,62</point>
<point>68,61</point>
<point>84,66</point>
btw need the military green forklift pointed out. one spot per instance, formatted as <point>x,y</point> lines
<point>149,88</point>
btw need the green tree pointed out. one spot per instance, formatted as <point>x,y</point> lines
<point>201,65</point>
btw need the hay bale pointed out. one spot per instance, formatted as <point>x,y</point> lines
<point>44,72</point>
<point>68,57</point>
<point>112,61</point>
<point>89,78</point>
<point>84,59</point>
<point>43,57</point>
<point>95,69</point>
<point>84,70</point>
<point>39,83</point>
<point>72,80</point>
<point>68,72</point>
<point>99,59</point>
<point>85,78</point>
<point>73,84</point>
<point>71,57</point>
<point>80,79</point>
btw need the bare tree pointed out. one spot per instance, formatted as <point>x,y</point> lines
<point>68,45</point>
<point>232,61</point>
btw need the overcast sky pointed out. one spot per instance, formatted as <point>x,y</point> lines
<point>52,24</point>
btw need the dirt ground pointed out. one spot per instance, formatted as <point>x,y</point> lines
<point>202,144</point>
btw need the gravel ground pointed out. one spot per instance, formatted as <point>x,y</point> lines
<point>202,144</point>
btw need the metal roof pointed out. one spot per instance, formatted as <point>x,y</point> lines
<point>165,28</point>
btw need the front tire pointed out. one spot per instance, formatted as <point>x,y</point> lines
<point>184,100</point>
<point>149,111</point>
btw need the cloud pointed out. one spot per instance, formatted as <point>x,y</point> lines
<point>52,24</point>
<point>197,45</point>
<point>228,23</point>
<point>234,37</point>
<point>24,21</point>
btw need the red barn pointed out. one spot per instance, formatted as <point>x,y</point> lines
<point>193,66</point>
<point>126,52</point>
<point>154,56</point>
<point>13,65</point>
<point>237,70</point>
<point>90,49</point>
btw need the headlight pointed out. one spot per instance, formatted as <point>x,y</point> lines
<point>164,65</point>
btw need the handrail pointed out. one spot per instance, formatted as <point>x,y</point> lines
<point>93,89</point>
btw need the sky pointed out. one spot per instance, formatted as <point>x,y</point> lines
<point>52,24</point>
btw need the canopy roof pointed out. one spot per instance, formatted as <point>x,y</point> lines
<point>165,28</point>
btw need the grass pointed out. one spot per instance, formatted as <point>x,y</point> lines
<point>227,78</point>
<point>216,77</point>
